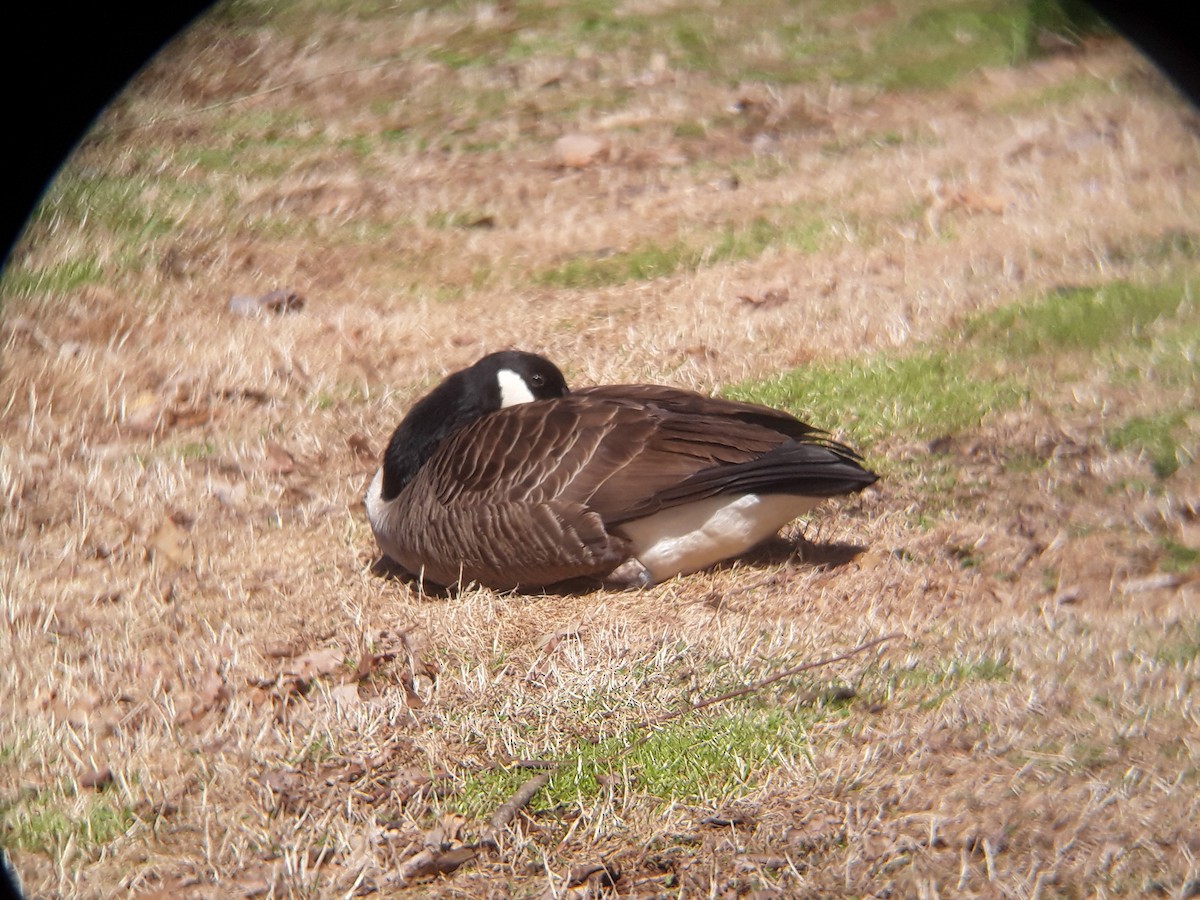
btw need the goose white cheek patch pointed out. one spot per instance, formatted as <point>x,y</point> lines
<point>513,389</point>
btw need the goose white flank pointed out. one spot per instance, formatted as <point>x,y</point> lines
<point>504,477</point>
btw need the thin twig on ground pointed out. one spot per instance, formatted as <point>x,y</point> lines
<point>508,810</point>
<point>758,685</point>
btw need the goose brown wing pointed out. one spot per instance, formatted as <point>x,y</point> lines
<point>504,500</point>
<point>701,447</point>
<point>683,402</point>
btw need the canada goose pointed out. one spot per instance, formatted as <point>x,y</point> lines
<point>504,477</point>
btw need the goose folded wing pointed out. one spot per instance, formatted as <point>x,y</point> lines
<point>689,403</point>
<point>501,500</point>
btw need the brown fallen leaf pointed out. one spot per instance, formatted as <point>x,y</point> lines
<point>602,874</point>
<point>446,832</point>
<point>345,696</point>
<point>195,705</point>
<point>314,663</point>
<point>727,820</point>
<point>170,543</point>
<point>975,201</point>
<point>280,649</point>
<point>144,414</point>
<point>361,446</point>
<point>277,302</point>
<point>968,199</point>
<point>279,460</point>
<point>578,151</point>
<point>189,416</point>
<point>549,643</point>
<point>97,778</point>
<point>283,781</point>
<point>770,298</point>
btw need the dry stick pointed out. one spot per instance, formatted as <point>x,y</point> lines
<point>509,809</point>
<point>778,676</point>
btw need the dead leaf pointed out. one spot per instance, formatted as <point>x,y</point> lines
<point>170,543</point>
<point>578,151</point>
<point>549,643</point>
<point>280,649</point>
<point>411,698</point>
<point>727,820</point>
<point>315,663</point>
<point>144,414</point>
<point>195,705</point>
<point>427,863</point>
<point>345,696</point>
<point>96,778</point>
<point>603,874</point>
<point>277,302</point>
<point>431,863</point>
<point>445,832</point>
<point>361,446</point>
<point>770,298</point>
<point>279,460</point>
<point>282,780</point>
<point>188,416</point>
<point>968,199</point>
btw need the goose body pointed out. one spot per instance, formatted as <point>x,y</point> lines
<point>504,477</point>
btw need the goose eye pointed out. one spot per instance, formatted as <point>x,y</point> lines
<point>537,380</point>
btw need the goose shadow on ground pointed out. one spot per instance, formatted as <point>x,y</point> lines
<point>772,552</point>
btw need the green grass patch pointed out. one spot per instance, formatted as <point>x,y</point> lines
<point>1076,318</point>
<point>1172,244</point>
<point>1179,557</point>
<point>928,687</point>
<point>939,45</point>
<point>1180,649</point>
<point>926,395</point>
<point>644,262</point>
<point>337,396</point>
<point>45,823</point>
<point>1056,95</point>
<point>1157,436</point>
<point>190,450</point>
<point>695,759</point>
<point>114,203</point>
<point>456,219</point>
<point>1137,332</point>
<point>954,672</point>
<point>18,281</point>
<point>789,229</point>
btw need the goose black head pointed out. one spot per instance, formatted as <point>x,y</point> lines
<point>497,380</point>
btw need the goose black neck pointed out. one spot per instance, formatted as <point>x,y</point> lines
<point>435,417</point>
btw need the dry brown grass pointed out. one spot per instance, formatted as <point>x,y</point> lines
<point>211,691</point>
